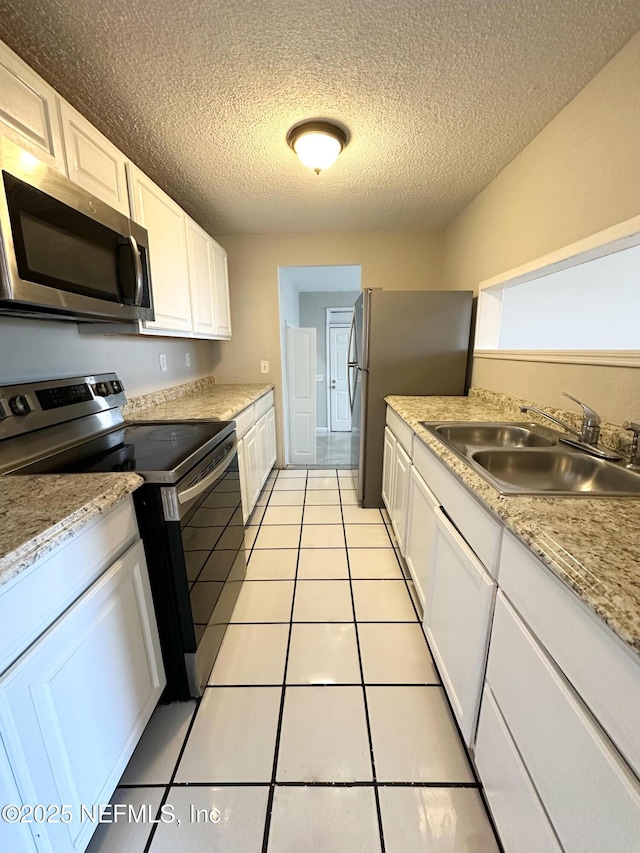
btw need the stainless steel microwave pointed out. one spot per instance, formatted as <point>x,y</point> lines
<point>64,252</point>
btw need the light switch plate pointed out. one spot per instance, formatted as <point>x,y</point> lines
<point>264,367</point>
<point>163,362</point>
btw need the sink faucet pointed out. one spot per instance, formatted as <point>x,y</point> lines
<point>634,450</point>
<point>589,433</point>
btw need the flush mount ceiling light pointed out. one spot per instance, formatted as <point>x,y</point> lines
<point>317,143</point>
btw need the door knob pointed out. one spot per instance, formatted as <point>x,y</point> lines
<point>333,384</point>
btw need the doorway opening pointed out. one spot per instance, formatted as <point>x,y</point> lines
<point>316,311</point>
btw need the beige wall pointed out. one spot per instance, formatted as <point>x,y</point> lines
<point>392,260</point>
<point>581,174</point>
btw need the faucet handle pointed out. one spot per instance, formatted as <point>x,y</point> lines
<point>591,418</point>
<point>633,427</point>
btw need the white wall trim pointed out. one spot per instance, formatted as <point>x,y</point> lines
<point>322,429</point>
<point>611,358</point>
<point>615,239</point>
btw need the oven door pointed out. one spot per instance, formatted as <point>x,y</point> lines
<point>65,251</point>
<point>205,540</point>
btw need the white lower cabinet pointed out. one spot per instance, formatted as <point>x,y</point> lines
<point>14,837</point>
<point>400,499</point>
<point>256,452</point>
<point>590,794</point>
<point>421,532</point>
<point>457,621</point>
<point>388,465</point>
<point>516,808</point>
<point>74,706</point>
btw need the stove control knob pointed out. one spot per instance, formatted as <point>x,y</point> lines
<point>5,411</point>
<point>20,405</point>
<point>100,389</point>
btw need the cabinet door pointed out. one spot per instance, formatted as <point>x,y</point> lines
<point>73,708</point>
<point>263,444</point>
<point>457,619</point>
<point>271,434</point>
<point>388,465</point>
<point>254,465</point>
<point>201,280</point>
<point>14,837</point>
<point>421,531</point>
<point>29,111</point>
<point>165,222</point>
<point>400,500</point>
<point>520,817</point>
<point>243,469</point>
<point>92,161</point>
<point>590,794</point>
<point>221,283</point>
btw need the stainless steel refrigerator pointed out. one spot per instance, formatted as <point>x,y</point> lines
<point>402,342</point>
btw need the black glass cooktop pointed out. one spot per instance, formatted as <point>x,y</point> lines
<point>144,447</point>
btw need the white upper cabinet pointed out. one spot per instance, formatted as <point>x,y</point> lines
<point>201,280</point>
<point>208,284</point>
<point>221,285</point>
<point>29,111</point>
<point>92,161</point>
<point>165,221</point>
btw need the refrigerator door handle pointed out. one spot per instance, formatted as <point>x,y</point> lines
<point>350,363</point>
<point>350,366</point>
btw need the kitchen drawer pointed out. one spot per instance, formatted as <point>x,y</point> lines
<point>400,429</point>
<point>603,671</point>
<point>482,531</point>
<point>263,404</point>
<point>590,794</point>
<point>35,598</point>
<point>245,420</point>
<point>457,620</point>
<point>517,811</point>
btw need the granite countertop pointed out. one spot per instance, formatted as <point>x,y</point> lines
<point>38,513</point>
<point>591,544</point>
<point>216,402</point>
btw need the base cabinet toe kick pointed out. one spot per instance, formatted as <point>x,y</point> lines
<point>76,699</point>
<point>547,697</point>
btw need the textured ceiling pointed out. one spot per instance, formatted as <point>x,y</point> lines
<point>439,95</point>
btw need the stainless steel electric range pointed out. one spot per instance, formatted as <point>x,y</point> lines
<point>189,508</point>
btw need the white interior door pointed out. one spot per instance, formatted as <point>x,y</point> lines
<point>301,379</point>
<point>340,414</point>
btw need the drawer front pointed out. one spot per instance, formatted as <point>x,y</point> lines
<point>589,793</point>
<point>602,670</point>
<point>264,404</point>
<point>245,420</point>
<point>34,599</point>
<point>522,823</point>
<point>457,621</point>
<point>400,429</point>
<point>479,528</point>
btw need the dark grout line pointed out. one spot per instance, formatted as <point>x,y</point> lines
<point>364,694</point>
<point>276,752</point>
<point>165,796</point>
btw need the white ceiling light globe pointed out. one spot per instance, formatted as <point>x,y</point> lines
<point>317,150</point>
<point>317,143</point>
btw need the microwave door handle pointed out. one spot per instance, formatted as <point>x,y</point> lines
<point>137,264</point>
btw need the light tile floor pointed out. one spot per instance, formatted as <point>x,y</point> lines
<point>319,732</point>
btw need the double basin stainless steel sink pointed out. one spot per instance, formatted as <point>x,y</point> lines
<point>528,459</point>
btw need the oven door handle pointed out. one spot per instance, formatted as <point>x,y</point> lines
<point>202,485</point>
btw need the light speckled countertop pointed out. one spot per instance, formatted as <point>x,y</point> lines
<point>592,545</point>
<point>218,402</point>
<point>38,513</point>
